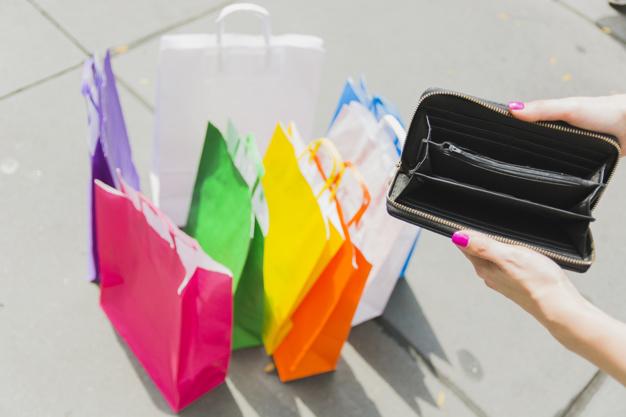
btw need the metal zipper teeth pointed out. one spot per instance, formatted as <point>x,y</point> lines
<point>545,124</point>
<point>492,165</point>
<point>457,226</point>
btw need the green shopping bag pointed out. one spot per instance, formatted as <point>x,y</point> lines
<point>222,220</point>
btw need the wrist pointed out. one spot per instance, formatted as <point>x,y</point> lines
<point>572,321</point>
<point>559,306</point>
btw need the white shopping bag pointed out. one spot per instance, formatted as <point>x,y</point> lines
<point>253,80</point>
<point>384,240</point>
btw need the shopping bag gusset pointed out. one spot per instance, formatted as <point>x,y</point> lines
<point>107,140</point>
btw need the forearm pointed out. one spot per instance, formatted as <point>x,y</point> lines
<point>594,335</point>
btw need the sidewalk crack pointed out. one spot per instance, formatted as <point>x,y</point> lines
<point>580,401</point>
<point>60,27</point>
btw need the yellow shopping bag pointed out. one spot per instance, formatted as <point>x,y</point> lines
<point>300,241</point>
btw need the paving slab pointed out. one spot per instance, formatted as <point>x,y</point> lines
<point>59,354</point>
<point>594,10</point>
<point>31,48</point>
<point>62,357</point>
<point>497,354</point>
<point>103,24</point>
<point>601,14</point>
<point>494,49</point>
<point>608,401</point>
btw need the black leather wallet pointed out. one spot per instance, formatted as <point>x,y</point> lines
<point>468,164</point>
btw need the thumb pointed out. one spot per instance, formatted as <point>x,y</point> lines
<point>558,109</point>
<point>477,245</point>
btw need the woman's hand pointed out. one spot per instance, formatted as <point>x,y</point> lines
<point>603,114</point>
<point>528,278</point>
<point>535,282</point>
<point>541,288</point>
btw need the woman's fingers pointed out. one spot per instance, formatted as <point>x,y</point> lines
<point>602,114</point>
<point>566,109</point>
<point>477,245</point>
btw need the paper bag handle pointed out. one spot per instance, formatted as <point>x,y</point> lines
<point>250,8</point>
<point>334,180</point>
<point>366,193</point>
<point>144,202</point>
<point>395,126</point>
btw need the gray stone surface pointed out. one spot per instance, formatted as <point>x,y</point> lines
<point>498,50</point>
<point>60,356</point>
<point>600,13</point>
<point>31,47</point>
<point>104,24</point>
<point>592,9</point>
<point>609,401</point>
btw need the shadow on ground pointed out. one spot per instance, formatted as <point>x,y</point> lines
<point>345,392</point>
<point>404,308</point>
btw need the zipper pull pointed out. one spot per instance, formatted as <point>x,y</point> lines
<point>447,146</point>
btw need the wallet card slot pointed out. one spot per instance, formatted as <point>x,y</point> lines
<point>488,211</point>
<point>583,163</point>
<point>541,186</point>
<point>575,151</point>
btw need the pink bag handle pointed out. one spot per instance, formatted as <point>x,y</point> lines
<point>173,231</point>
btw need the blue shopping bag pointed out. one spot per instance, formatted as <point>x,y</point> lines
<point>378,105</point>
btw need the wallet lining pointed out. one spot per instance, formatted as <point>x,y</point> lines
<point>553,208</point>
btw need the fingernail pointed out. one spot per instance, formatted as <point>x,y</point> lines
<point>460,239</point>
<point>516,105</point>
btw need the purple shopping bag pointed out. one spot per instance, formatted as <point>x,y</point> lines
<point>109,148</point>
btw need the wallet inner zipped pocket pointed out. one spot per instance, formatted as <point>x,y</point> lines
<point>548,143</point>
<point>576,164</point>
<point>556,189</point>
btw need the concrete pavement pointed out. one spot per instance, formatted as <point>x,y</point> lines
<point>446,346</point>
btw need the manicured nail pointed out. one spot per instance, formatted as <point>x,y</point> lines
<point>516,105</point>
<point>460,239</point>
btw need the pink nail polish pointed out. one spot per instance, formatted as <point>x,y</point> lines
<point>460,239</point>
<point>516,105</point>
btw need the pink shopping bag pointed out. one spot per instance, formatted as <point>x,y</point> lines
<point>166,298</point>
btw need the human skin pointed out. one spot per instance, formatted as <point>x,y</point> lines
<point>535,282</point>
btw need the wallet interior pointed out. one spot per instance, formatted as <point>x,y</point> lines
<point>495,174</point>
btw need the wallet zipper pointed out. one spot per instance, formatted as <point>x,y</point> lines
<point>521,171</point>
<point>458,226</point>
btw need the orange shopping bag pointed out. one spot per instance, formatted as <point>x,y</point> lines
<point>322,322</point>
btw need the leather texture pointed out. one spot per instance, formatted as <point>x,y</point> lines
<point>467,163</point>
